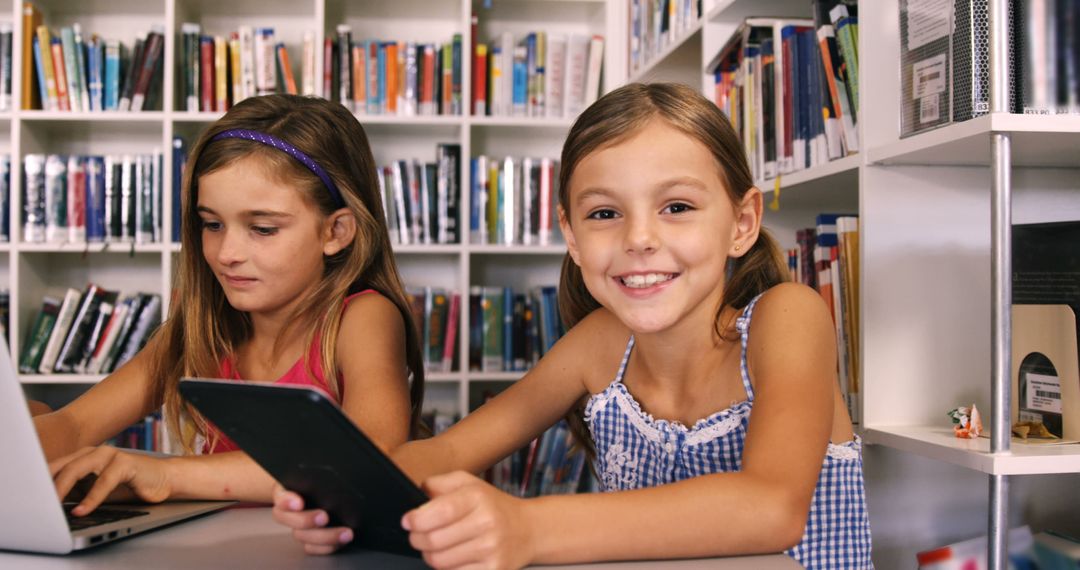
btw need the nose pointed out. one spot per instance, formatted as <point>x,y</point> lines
<point>641,234</point>
<point>230,250</point>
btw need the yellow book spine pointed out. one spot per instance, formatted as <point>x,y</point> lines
<point>45,49</point>
<point>221,73</point>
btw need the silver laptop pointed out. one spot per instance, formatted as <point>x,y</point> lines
<point>32,518</point>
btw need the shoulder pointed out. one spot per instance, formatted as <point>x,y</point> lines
<point>791,321</point>
<point>595,346</point>
<point>370,314</point>
<point>788,304</point>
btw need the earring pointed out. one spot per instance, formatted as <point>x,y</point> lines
<point>737,246</point>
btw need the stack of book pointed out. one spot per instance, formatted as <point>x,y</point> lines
<point>421,200</point>
<point>511,331</point>
<point>1047,35</point>
<point>75,72</point>
<point>551,464</point>
<point>90,332</point>
<point>657,24</point>
<point>216,72</point>
<point>791,88</point>
<point>380,77</point>
<point>147,435</point>
<point>827,259</point>
<point>513,201</point>
<point>436,313</point>
<point>542,75</point>
<point>92,199</point>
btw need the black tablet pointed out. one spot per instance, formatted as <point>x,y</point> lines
<point>305,442</point>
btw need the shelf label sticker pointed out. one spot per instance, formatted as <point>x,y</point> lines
<point>928,77</point>
<point>927,20</point>
<point>1043,393</point>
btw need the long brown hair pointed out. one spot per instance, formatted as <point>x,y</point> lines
<point>203,329</point>
<point>616,117</point>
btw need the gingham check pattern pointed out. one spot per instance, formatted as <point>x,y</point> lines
<point>634,450</point>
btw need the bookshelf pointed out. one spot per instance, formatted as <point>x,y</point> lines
<point>30,271</point>
<point>924,204</point>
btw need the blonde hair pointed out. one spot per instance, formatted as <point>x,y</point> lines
<point>616,117</point>
<point>203,329</point>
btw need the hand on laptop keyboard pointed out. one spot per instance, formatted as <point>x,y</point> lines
<point>121,476</point>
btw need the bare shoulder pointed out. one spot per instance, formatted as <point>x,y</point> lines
<point>790,306</point>
<point>370,316</point>
<point>597,344</point>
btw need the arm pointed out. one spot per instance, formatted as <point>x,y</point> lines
<point>121,399</point>
<point>490,433</point>
<point>762,508</point>
<point>376,399</point>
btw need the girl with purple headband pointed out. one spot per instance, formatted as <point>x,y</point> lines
<point>285,268</point>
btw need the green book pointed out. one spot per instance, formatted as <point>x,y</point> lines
<point>491,307</point>
<point>39,336</point>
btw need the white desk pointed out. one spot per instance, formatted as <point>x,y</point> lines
<point>249,538</point>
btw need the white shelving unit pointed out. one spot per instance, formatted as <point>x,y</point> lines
<point>924,204</point>
<point>31,271</point>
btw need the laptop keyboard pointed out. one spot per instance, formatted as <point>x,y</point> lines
<point>99,517</point>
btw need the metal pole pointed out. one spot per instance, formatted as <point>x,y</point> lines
<point>1001,285</point>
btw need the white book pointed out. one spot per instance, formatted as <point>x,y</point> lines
<point>400,180</point>
<point>482,197</point>
<point>577,60</point>
<point>109,338</point>
<point>592,75</point>
<point>247,64</point>
<point>265,62</point>
<point>509,188</point>
<point>527,195</point>
<point>506,79</point>
<point>307,68</point>
<point>59,331</point>
<point>555,80</point>
<point>544,229</point>
<point>55,199</point>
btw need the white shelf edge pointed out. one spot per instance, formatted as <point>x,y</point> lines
<point>59,378</point>
<point>86,248</point>
<point>419,120</point>
<point>426,249</point>
<point>938,443</point>
<point>524,122</point>
<point>92,116</point>
<point>831,168</point>
<point>674,46</point>
<point>510,376</point>
<point>498,249</point>
<point>442,377</point>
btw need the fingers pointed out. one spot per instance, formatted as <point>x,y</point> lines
<point>451,535</point>
<point>308,525</point>
<point>109,479</point>
<point>323,540</point>
<point>470,554</point>
<point>57,464</point>
<point>455,495</point>
<point>78,465</point>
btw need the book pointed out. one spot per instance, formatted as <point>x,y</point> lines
<point>30,97</point>
<point>64,317</point>
<point>71,351</point>
<point>38,335</point>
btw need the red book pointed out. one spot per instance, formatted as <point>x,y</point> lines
<point>206,70</point>
<point>286,69</point>
<point>427,85</point>
<point>391,78</point>
<point>61,77</point>
<point>151,55</point>
<point>480,67</point>
<point>450,338</point>
<point>328,68</point>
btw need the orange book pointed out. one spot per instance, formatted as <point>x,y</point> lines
<point>31,97</point>
<point>286,69</point>
<point>391,78</point>
<point>359,78</point>
<point>63,103</point>
<point>427,85</point>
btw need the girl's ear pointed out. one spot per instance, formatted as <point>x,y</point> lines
<point>339,230</point>
<point>747,226</point>
<point>568,235</point>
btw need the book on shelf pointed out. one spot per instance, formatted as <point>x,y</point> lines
<point>77,71</point>
<point>971,554</point>
<point>513,201</point>
<point>89,332</point>
<point>551,464</point>
<point>1046,40</point>
<point>1056,551</point>
<point>657,24</point>
<point>92,199</point>
<point>826,258</point>
<point>149,434</point>
<point>5,197</point>
<point>538,75</point>
<point>435,312</point>
<point>420,199</point>
<point>790,90</point>
<point>511,330</point>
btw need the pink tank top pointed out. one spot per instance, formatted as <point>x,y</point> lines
<point>296,375</point>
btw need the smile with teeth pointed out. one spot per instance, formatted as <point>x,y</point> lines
<point>642,281</point>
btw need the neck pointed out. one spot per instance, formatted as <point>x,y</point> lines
<point>686,356</point>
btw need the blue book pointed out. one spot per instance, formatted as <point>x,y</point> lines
<point>474,200</point>
<point>179,161</point>
<point>95,199</point>
<point>520,80</point>
<point>5,198</point>
<point>508,328</point>
<point>40,67</point>
<point>111,86</point>
<point>94,56</point>
<point>380,93</point>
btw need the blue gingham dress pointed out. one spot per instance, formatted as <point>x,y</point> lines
<point>634,450</point>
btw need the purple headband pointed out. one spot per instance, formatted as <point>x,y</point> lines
<point>296,153</point>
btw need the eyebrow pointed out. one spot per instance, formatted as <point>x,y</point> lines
<point>687,181</point>
<point>252,213</point>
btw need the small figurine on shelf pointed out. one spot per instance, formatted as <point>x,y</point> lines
<point>968,422</point>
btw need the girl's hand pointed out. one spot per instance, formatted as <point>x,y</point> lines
<point>308,525</point>
<point>469,523</point>
<point>119,475</point>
